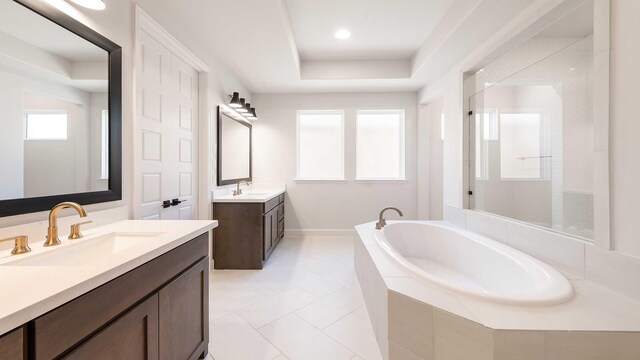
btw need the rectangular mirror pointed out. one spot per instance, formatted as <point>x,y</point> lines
<point>532,136</point>
<point>234,148</point>
<point>61,93</point>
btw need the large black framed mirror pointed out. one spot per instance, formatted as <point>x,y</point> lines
<point>234,148</point>
<point>61,110</point>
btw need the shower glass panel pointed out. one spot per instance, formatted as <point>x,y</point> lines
<point>532,143</point>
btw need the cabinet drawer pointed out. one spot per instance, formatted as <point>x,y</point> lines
<point>12,345</point>
<point>269,205</point>
<point>281,198</point>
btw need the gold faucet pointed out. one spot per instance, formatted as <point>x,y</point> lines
<point>52,231</point>
<point>21,245</point>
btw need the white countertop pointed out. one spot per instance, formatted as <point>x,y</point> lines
<point>592,308</point>
<point>31,291</point>
<point>249,195</point>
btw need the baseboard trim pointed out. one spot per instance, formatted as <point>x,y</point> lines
<point>319,232</point>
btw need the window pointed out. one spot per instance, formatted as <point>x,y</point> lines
<point>320,145</point>
<point>45,125</point>
<point>380,145</point>
<point>521,146</point>
<point>104,168</point>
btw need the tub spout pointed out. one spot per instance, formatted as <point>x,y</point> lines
<point>382,222</point>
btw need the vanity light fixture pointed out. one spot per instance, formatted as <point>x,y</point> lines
<point>239,109</point>
<point>91,4</point>
<point>235,100</point>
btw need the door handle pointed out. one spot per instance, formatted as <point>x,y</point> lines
<point>166,204</point>
<point>176,202</point>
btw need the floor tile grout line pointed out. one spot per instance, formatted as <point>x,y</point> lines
<point>327,335</point>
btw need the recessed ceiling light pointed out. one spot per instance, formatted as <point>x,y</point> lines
<point>91,4</point>
<point>342,34</point>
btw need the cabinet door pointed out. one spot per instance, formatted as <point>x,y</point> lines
<point>133,336</point>
<point>184,314</point>
<point>268,227</point>
<point>274,228</point>
<point>12,345</point>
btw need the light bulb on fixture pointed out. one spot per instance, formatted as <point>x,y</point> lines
<point>342,34</point>
<point>91,4</point>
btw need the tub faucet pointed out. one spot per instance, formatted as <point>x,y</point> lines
<point>382,222</point>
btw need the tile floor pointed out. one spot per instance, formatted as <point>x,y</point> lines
<point>305,304</point>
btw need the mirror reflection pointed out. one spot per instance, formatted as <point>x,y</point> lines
<point>54,108</point>
<point>533,132</point>
<point>234,149</point>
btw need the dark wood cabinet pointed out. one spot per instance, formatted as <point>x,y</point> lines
<point>158,310</point>
<point>184,314</point>
<point>12,345</point>
<point>247,232</point>
<point>133,336</point>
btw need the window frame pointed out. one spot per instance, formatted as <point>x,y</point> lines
<point>26,114</point>
<point>401,143</point>
<point>341,113</point>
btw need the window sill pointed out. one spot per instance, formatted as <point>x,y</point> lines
<point>312,181</point>
<point>382,181</point>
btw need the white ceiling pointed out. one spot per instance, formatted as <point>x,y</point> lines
<point>287,46</point>
<point>32,28</point>
<point>380,29</point>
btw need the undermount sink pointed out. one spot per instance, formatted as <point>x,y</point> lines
<point>86,251</point>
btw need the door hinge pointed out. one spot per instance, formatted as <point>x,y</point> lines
<point>470,192</point>
<point>470,113</point>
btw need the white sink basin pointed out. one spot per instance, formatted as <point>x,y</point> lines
<point>249,194</point>
<point>85,251</point>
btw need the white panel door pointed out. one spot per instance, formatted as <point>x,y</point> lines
<point>166,151</point>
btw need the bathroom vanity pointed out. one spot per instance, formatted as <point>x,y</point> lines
<point>129,290</point>
<point>252,225</point>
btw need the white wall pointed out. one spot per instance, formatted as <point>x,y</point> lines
<point>116,22</point>
<point>624,137</point>
<point>436,175</point>
<point>330,205</point>
<point>624,129</point>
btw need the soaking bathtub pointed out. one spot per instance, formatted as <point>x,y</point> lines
<point>472,264</point>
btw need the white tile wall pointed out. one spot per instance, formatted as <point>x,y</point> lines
<point>455,216</point>
<point>487,225</point>
<point>613,270</point>
<point>554,249</point>
<point>411,324</point>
